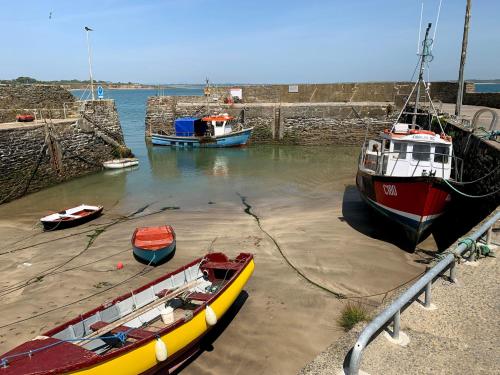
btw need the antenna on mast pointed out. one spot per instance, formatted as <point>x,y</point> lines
<point>436,26</point>
<point>425,56</point>
<point>420,28</point>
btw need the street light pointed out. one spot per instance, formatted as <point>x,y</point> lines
<point>87,29</point>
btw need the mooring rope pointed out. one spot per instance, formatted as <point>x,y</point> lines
<point>248,210</point>
<point>142,272</point>
<point>468,195</point>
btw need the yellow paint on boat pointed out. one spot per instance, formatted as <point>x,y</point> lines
<point>143,358</point>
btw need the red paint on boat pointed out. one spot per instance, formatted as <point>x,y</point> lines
<point>64,357</point>
<point>417,198</point>
<point>153,238</point>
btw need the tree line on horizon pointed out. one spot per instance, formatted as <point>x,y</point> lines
<point>30,81</point>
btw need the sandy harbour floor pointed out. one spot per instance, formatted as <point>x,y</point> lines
<point>283,320</point>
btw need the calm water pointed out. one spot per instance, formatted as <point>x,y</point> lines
<point>192,178</point>
<point>487,87</point>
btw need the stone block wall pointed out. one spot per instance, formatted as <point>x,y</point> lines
<point>331,124</point>
<point>46,100</point>
<point>486,99</point>
<point>337,92</point>
<point>35,156</point>
<point>285,123</point>
<point>481,174</point>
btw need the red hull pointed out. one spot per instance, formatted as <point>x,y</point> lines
<point>413,202</point>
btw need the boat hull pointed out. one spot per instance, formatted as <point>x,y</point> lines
<point>121,163</point>
<point>64,224</point>
<point>412,202</point>
<point>154,256</point>
<point>228,140</point>
<point>181,339</point>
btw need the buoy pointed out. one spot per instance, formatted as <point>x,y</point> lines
<point>160,350</point>
<point>119,265</point>
<point>210,316</point>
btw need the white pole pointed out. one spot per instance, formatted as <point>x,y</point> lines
<point>90,63</point>
<point>420,27</point>
<point>436,26</point>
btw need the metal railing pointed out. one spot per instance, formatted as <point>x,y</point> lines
<point>424,285</point>
<point>457,163</point>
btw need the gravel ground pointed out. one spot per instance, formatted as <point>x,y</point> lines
<point>461,335</point>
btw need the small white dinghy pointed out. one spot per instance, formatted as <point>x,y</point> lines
<point>121,163</point>
<point>71,217</point>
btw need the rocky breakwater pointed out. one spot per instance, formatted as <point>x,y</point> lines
<point>36,155</point>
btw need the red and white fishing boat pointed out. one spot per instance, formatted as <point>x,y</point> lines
<point>405,173</point>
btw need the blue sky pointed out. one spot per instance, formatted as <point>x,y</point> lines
<point>254,41</point>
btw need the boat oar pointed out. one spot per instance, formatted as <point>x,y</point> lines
<point>141,311</point>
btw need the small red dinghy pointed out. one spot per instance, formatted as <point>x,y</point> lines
<point>153,244</point>
<point>25,118</point>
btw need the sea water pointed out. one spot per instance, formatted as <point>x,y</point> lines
<point>193,178</point>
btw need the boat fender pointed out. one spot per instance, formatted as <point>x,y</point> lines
<point>210,316</point>
<point>160,350</point>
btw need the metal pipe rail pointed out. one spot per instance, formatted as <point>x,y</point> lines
<point>423,285</point>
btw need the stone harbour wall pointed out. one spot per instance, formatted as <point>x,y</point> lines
<point>485,99</point>
<point>35,156</point>
<point>336,92</point>
<point>45,101</point>
<point>281,123</point>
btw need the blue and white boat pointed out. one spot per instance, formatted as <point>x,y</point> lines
<point>211,131</point>
<point>153,244</point>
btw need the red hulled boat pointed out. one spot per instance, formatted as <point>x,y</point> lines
<point>404,173</point>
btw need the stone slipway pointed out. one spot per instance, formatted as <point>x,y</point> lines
<point>461,336</point>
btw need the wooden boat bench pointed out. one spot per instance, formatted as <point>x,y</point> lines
<point>136,333</point>
<point>200,296</point>
<point>163,293</point>
<point>192,295</point>
<point>221,266</point>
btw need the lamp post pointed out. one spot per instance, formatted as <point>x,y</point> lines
<point>87,29</point>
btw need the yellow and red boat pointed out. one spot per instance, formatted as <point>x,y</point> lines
<point>158,325</point>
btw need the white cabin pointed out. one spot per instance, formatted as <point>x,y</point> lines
<point>408,153</point>
<point>221,124</point>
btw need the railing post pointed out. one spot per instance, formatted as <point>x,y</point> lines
<point>427,300</point>
<point>396,325</point>
<point>472,256</point>
<point>453,272</point>
<point>488,236</point>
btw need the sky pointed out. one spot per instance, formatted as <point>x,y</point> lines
<point>272,41</point>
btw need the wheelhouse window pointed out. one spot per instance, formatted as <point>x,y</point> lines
<point>441,154</point>
<point>400,148</point>
<point>421,152</point>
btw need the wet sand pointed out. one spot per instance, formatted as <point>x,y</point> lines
<point>281,322</point>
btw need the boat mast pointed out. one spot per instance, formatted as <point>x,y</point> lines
<point>465,38</point>
<point>425,53</point>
